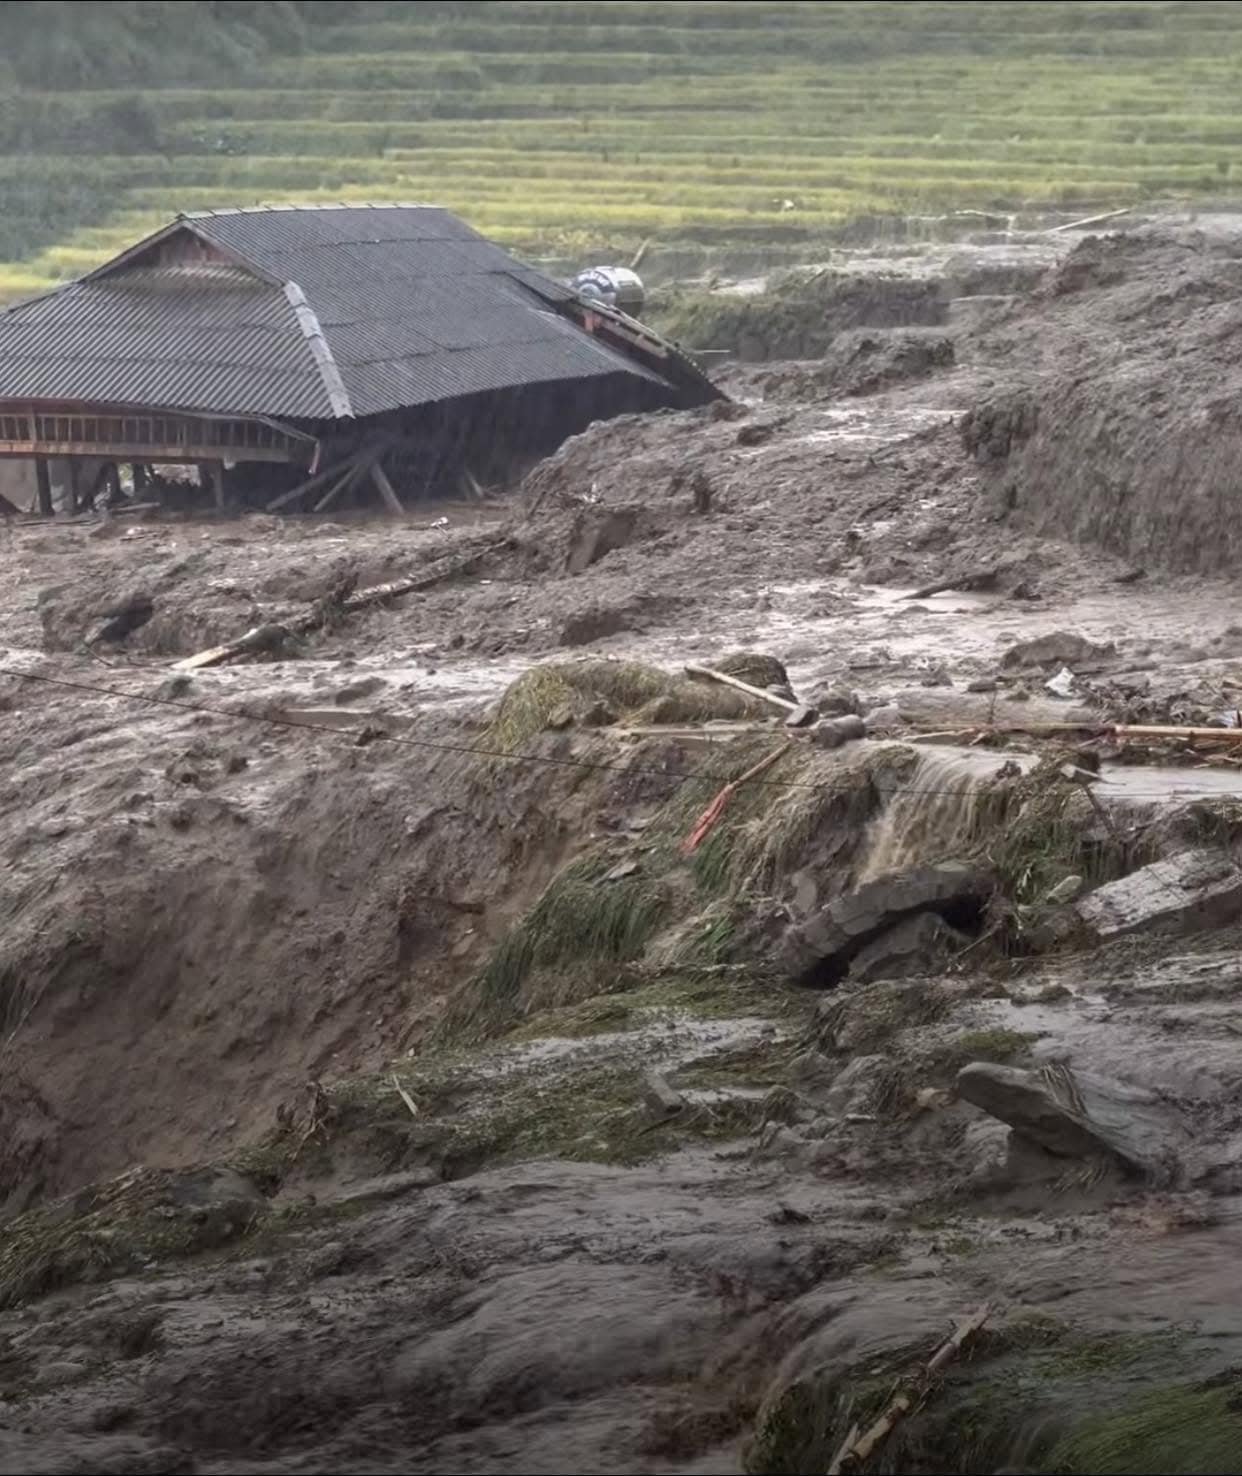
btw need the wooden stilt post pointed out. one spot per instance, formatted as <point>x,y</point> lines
<point>75,477</point>
<point>379,477</point>
<point>44,482</point>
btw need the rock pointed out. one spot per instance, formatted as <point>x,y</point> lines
<point>596,623</point>
<point>820,951</point>
<point>599,534</point>
<point>937,677</point>
<point>355,691</point>
<point>981,684</point>
<point>661,1099</point>
<point>837,702</point>
<point>1073,1115</point>
<point>836,731</point>
<point>56,1375</point>
<point>920,945</point>
<point>854,1090</point>
<point>1065,890</point>
<point>1059,648</point>
<point>880,718</point>
<point>1189,892</point>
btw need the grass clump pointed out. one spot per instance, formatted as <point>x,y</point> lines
<point>1025,1394</point>
<point>1165,1432</point>
<point>560,694</point>
<point>581,921</point>
<point>124,1225</point>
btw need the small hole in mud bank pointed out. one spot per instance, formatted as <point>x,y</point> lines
<point>966,915</point>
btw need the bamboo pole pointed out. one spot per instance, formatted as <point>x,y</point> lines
<point>857,1449</point>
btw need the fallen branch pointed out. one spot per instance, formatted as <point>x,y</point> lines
<point>707,821</point>
<point>1099,730</point>
<point>974,580</point>
<point>266,635</point>
<point>1090,220</point>
<point>856,1448</point>
<point>405,1096</point>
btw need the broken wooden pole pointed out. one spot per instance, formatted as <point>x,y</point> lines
<point>760,693</point>
<point>309,485</point>
<point>348,479</point>
<point>858,1448</point>
<point>264,636</point>
<point>1113,730</point>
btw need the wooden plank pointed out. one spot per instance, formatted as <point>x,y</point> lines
<point>380,478</point>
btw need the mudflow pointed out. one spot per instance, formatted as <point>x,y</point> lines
<point>386,1087</point>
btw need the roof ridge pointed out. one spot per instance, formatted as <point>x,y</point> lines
<point>320,349</point>
<point>310,206</point>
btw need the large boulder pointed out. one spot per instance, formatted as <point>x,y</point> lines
<point>1072,1115</point>
<point>821,950</point>
<point>1191,891</point>
<point>922,944</point>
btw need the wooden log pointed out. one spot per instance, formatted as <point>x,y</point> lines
<point>263,636</point>
<point>348,479</point>
<point>309,485</point>
<point>380,477</point>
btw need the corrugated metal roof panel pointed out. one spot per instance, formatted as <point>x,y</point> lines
<point>221,342</point>
<point>396,306</point>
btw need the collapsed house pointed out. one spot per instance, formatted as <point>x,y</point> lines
<point>300,356</point>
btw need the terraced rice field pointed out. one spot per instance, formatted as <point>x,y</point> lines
<point>576,128</point>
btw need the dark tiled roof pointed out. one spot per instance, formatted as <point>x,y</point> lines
<point>329,311</point>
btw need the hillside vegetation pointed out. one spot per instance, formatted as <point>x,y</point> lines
<point>567,127</point>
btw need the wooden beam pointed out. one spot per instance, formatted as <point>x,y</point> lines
<point>343,483</point>
<point>309,485</point>
<point>380,478</point>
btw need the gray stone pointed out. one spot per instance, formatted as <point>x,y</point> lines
<point>920,945</point>
<point>854,1089</point>
<point>1073,1115</point>
<point>354,691</point>
<point>880,718</point>
<point>1065,890</point>
<point>1058,648</point>
<point>1191,891</point>
<point>821,950</point>
<point>836,731</point>
<point>56,1375</point>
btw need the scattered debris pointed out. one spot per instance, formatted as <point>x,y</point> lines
<point>710,817</point>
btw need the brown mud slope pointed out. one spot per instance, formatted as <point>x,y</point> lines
<point>1117,418</point>
<point>329,1139</point>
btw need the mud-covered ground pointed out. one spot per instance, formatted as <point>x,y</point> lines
<point>366,973</point>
